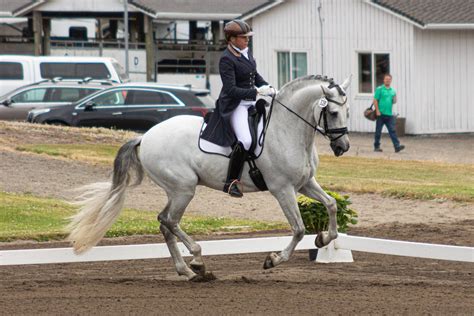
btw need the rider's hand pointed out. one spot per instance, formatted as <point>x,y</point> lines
<point>377,113</point>
<point>267,91</point>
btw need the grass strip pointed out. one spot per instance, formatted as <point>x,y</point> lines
<point>27,217</point>
<point>399,178</point>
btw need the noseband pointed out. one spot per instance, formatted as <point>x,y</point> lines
<point>326,131</point>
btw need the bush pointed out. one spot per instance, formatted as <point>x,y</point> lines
<point>316,218</point>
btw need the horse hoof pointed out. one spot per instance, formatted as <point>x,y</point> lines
<point>206,277</point>
<point>199,269</point>
<point>318,242</point>
<point>268,264</point>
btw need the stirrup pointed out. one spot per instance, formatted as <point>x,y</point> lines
<point>235,184</point>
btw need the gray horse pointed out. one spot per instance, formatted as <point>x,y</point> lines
<point>169,155</point>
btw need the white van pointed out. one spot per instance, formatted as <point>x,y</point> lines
<point>19,70</point>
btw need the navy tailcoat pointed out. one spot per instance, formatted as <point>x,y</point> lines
<point>239,78</point>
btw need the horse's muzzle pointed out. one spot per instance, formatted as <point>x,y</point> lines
<point>338,149</point>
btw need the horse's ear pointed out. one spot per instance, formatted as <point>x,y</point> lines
<point>347,82</point>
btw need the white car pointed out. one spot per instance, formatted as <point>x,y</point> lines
<point>18,70</point>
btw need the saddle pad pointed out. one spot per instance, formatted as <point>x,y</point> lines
<point>212,148</point>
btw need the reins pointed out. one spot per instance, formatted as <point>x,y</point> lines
<point>326,132</point>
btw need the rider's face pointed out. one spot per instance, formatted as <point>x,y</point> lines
<point>241,42</point>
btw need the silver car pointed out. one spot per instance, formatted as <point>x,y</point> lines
<point>16,104</point>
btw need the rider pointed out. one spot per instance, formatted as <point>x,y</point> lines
<point>228,124</point>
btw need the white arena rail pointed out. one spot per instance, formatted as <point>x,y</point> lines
<point>337,251</point>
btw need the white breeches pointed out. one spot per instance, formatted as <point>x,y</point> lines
<point>240,124</point>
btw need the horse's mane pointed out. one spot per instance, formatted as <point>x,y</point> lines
<point>297,83</point>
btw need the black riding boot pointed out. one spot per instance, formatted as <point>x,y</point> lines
<point>236,164</point>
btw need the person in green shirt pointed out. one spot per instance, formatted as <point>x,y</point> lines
<point>384,99</point>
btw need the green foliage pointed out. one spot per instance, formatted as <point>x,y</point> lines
<point>316,218</point>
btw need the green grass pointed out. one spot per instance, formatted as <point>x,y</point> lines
<point>83,152</point>
<point>400,178</point>
<point>26,217</point>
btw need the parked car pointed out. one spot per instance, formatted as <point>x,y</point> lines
<point>133,106</point>
<point>46,94</point>
<point>19,70</point>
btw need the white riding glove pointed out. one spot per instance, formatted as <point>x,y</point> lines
<point>266,91</point>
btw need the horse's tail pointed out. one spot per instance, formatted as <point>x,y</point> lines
<point>100,203</point>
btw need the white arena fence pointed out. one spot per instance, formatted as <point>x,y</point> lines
<point>338,251</point>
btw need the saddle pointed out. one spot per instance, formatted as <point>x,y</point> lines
<point>257,119</point>
<point>256,113</point>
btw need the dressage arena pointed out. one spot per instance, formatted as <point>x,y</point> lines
<point>373,283</point>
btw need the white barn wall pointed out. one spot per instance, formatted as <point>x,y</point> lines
<point>355,26</point>
<point>289,26</point>
<point>349,27</point>
<point>443,81</point>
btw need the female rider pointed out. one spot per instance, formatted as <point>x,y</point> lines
<point>228,124</point>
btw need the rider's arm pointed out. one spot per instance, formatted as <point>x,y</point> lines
<point>259,81</point>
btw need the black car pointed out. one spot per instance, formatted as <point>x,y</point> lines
<point>129,106</point>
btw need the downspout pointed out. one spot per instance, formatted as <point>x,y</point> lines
<point>321,35</point>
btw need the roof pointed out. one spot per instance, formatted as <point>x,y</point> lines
<point>432,13</point>
<point>15,7</point>
<point>164,9</point>
<point>195,9</point>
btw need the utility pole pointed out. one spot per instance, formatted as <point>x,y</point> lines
<point>125,23</point>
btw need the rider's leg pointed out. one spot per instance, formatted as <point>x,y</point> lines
<point>240,125</point>
<point>236,164</point>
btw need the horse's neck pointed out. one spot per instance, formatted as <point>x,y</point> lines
<point>288,131</point>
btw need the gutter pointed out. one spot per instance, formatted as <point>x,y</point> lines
<point>452,26</point>
<point>27,8</point>
<point>257,11</point>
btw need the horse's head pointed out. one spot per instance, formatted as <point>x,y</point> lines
<point>331,112</point>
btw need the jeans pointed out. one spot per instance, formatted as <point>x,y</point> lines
<point>389,121</point>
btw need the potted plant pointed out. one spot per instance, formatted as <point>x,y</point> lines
<point>316,218</point>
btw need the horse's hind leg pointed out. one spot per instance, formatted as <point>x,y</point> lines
<point>180,264</point>
<point>170,219</point>
<point>313,190</point>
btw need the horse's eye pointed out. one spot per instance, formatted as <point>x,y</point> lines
<point>333,114</point>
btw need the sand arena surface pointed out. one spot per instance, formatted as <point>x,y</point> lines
<point>374,284</point>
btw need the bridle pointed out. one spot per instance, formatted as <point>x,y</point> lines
<point>325,131</point>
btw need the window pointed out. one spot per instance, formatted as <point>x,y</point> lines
<point>291,68</point>
<point>29,96</point>
<point>143,97</point>
<point>111,98</point>
<point>11,71</point>
<point>372,68</point>
<point>74,70</point>
<point>78,33</point>
<point>68,94</point>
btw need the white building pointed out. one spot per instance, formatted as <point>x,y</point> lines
<point>427,45</point>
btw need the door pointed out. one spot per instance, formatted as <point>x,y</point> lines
<point>22,103</point>
<point>146,107</point>
<point>104,110</point>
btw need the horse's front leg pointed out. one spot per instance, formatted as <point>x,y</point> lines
<point>313,190</point>
<point>287,200</point>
